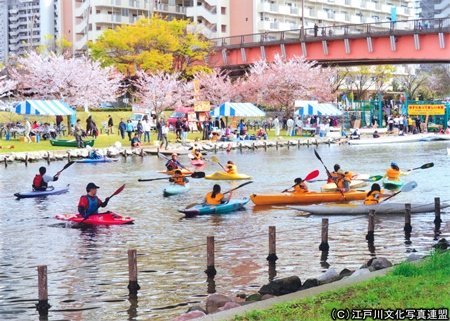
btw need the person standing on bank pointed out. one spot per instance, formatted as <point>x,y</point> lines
<point>130,129</point>
<point>147,128</point>
<point>164,134</point>
<point>40,181</point>
<point>122,128</point>
<point>78,132</point>
<point>90,203</point>
<point>276,125</point>
<point>27,130</point>
<point>110,125</point>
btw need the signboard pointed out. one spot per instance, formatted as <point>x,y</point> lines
<point>202,106</point>
<point>425,109</point>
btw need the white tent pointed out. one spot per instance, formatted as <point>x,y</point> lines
<point>310,107</point>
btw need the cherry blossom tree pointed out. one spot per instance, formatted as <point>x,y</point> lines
<point>6,86</point>
<point>280,83</point>
<point>161,90</point>
<point>217,87</point>
<point>77,81</point>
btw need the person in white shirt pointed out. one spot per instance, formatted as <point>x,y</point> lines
<point>27,130</point>
<point>276,125</point>
<point>146,126</point>
<point>290,126</point>
<point>300,126</point>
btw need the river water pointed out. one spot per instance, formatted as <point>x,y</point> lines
<point>88,268</point>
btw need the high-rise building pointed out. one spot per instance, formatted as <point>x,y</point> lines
<point>25,23</point>
<point>223,18</point>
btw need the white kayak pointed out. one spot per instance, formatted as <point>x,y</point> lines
<point>394,139</point>
<point>355,184</point>
<point>381,208</point>
<point>174,189</point>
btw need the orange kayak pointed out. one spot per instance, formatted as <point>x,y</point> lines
<point>305,198</point>
<point>171,172</point>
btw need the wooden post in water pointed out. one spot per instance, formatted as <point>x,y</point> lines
<point>317,143</point>
<point>265,145</point>
<point>26,159</point>
<point>42,306</point>
<point>276,145</point>
<point>307,142</point>
<point>69,158</point>
<point>329,141</point>
<point>240,147</point>
<point>210,269</point>
<point>272,257</point>
<point>215,148</point>
<point>437,215</point>
<point>298,143</point>
<point>48,158</point>
<point>253,146</point>
<point>133,286</point>
<point>6,162</point>
<point>288,144</point>
<point>324,246</point>
<point>408,227</point>
<point>370,231</point>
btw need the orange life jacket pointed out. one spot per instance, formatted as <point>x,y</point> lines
<point>393,174</point>
<point>232,169</point>
<point>214,201</point>
<point>373,198</point>
<point>179,180</point>
<point>301,188</point>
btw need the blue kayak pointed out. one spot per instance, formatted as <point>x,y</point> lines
<point>174,189</point>
<point>97,160</point>
<point>201,209</point>
<point>49,191</point>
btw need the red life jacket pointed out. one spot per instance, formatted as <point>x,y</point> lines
<point>39,183</point>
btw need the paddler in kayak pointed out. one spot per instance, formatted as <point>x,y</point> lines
<point>197,155</point>
<point>94,154</point>
<point>40,181</point>
<point>216,197</point>
<point>179,178</point>
<point>394,172</point>
<point>90,203</point>
<point>230,168</point>
<point>342,182</point>
<point>299,187</point>
<point>173,163</point>
<point>333,175</point>
<point>374,195</point>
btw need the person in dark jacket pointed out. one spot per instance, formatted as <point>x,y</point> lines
<point>122,128</point>
<point>110,125</point>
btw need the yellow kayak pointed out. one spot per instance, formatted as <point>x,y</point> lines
<point>331,187</point>
<point>183,171</point>
<point>226,176</point>
<point>305,198</point>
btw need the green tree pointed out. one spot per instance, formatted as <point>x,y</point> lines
<point>153,45</point>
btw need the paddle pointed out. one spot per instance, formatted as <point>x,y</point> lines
<point>406,188</point>
<point>67,165</point>
<point>216,160</point>
<point>308,177</point>
<point>424,166</point>
<point>119,190</point>
<point>233,189</point>
<point>328,172</point>
<point>194,175</point>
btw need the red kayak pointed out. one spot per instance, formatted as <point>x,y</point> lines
<point>108,218</point>
<point>198,162</point>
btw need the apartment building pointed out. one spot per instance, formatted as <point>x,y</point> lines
<point>235,17</point>
<point>86,20</point>
<point>24,24</point>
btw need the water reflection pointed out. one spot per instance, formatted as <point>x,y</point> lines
<point>88,266</point>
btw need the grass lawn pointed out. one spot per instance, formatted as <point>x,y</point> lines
<point>102,141</point>
<point>425,285</point>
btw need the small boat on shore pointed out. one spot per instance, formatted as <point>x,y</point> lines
<point>70,142</point>
<point>107,218</point>
<point>49,191</point>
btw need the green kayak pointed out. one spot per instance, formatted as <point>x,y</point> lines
<point>392,184</point>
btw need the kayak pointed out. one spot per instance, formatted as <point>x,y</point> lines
<point>198,162</point>
<point>392,184</point>
<point>183,171</point>
<point>201,209</point>
<point>308,197</point>
<point>107,218</point>
<point>49,191</point>
<point>226,176</point>
<point>331,187</point>
<point>174,189</point>
<point>97,160</point>
<point>381,208</point>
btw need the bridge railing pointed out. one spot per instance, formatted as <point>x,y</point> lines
<point>335,30</point>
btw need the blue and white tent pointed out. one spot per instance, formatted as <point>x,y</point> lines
<point>44,107</point>
<point>237,109</point>
<point>314,108</point>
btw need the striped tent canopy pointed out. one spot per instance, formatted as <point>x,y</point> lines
<point>314,108</point>
<point>237,109</point>
<point>44,107</point>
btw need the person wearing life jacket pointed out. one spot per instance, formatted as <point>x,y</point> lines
<point>40,181</point>
<point>374,195</point>
<point>394,172</point>
<point>94,155</point>
<point>231,168</point>
<point>342,182</point>
<point>197,155</point>
<point>173,163</point>
<point>90,203</point>
<point>179,178</point>
<point>333,175</point>
<point>216,197</point>
<point>299,187</point>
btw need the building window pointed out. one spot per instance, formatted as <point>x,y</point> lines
<point>223,10</point>
<point>224,28</point>
<point>97,11</point>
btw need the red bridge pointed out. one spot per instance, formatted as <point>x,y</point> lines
<point>400,42</point>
